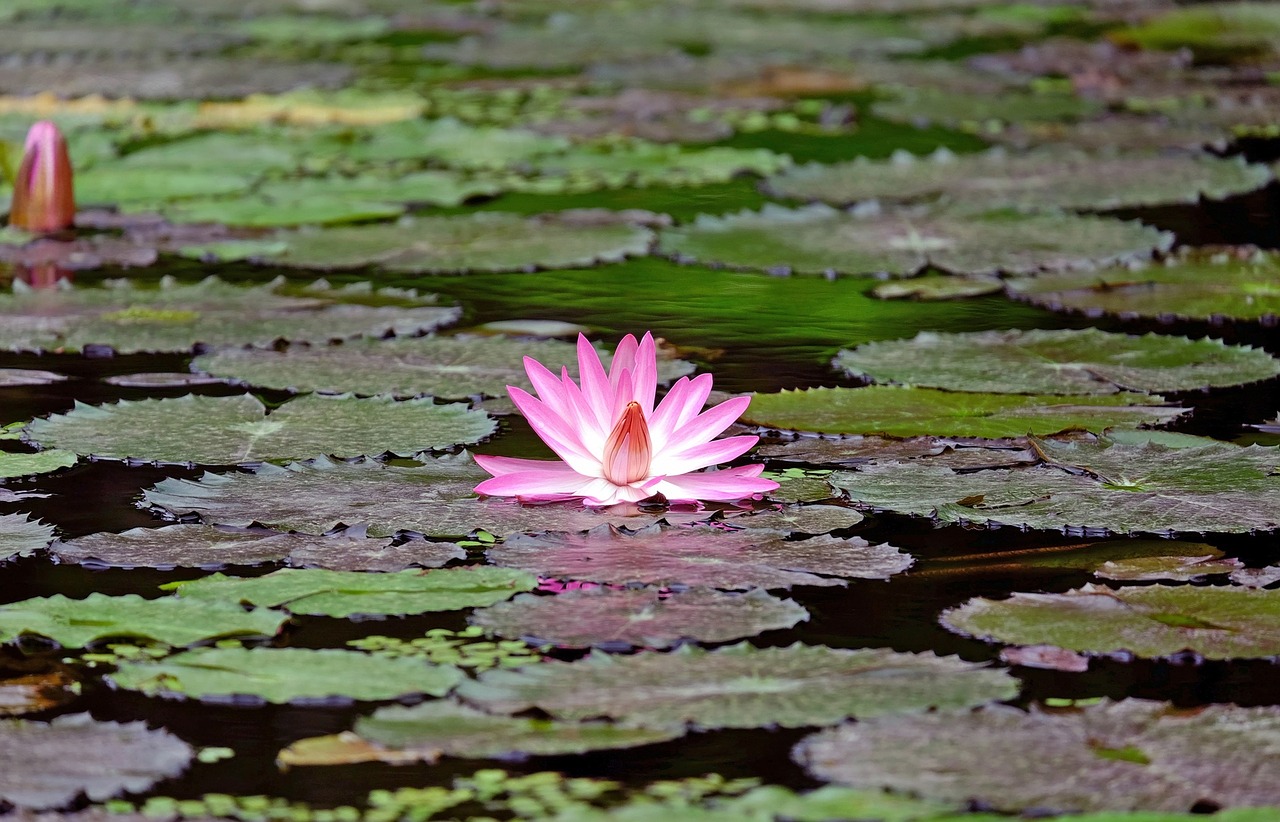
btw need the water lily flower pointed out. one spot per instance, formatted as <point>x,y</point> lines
<point>43,198</point>
<point>615,445</point>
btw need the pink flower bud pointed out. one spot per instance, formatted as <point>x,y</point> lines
<point>43,196</point>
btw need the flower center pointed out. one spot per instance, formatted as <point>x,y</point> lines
<point>627,451</point>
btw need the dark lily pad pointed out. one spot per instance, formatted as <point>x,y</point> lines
<point>1151,621</point>
<point>908,412</point>
<point>280,675</point>
<point>741,686</point>
<point>74,623</point>
<point>20,377</point>
<point>423,733</point>
<point>79,254</point>
<point>1104,487</point>
<point>1168,568</point>
<point>800,519</point>
<point>351,593</point>
<point>227,430</point>
<point>983,112</point>
<point>37,692</point>
<point>1241,284</point>
<point>177,317</point>
<point>50,764</point>
<point>732,560</point>
<point>639,617</point>
<point>1036,181</point>
<point>434,499</point>
<point>1084,361</point>
<point>957,454</point>
<point>20,537</point>
<point>486,241</point>
<point>819,239</point>
<point>160,379</point>
<point>1126,755</point>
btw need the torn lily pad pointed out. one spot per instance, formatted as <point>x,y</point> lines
<point>50,764</point>
<point>74,623</point>
<point>1130,755</point>
<point>230,430</point>
<point>1085,361</point>
<point>909,412</point>
<point>485,241</point>
<point>818,239</point>
<point>284,675</point>
<point>1035,181</point>
<point>344,594</point>
<point>639,617</point>
<point>21,537</point>
<point>423,733</point>
<point>434,499</point>
<point>1098,487</point>
<point>1150,621</point>
<point>176,317</point>
<point>741,686</point>
<point>731,560</point>
<point>1237,284</point>
<point>199,546</point>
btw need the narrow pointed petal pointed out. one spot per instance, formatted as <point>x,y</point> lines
<point>43,195</point>
<point>686,393</point>
<point>702,456</point>
<point>604,492</point>
<point>728,485</point>
<point>499,466</point>
<point>621,398</point>
<point>557,480</point>
<point>590,432</point>
<point>557,433</point>
<point>707,425</point>
<point>550,389</point>
<point>596,389</point>
<point>624,358</point>
<point>644,376</point>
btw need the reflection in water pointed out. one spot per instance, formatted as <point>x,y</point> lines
<point>43,275</point>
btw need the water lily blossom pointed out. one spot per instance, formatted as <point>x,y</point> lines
<point>43,197</point>
<point>615,445</point>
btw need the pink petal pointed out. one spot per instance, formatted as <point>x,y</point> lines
<point>509,465</point>
<point>645,374</point>
<point>596,389</point>
<point>707,424</point>
<point>553,478</point>
<point>559,435</point>
<point>603,492</point>
<point>720,486</point>
<point>701,456</point>
<point>621,398</point>
<point>624,358</point>
<point>685,397</point>
<point>591,434</point>
<point>549,388</point>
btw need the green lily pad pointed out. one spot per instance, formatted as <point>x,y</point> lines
<point>344,594</point>
<point>229,430</point>
<point>121,185</point>
<point>16,464</point>
<point>741,686</point>
<point>281,675</point>
<point>199,546</point>
<point>487,241</point>
<point>1168,568</point>
<point>1148,559</point>
<point>908,412</point>
<point>424,733</point>
<point>50,764</point>
<point>1084,361</point>
<point>642,164</point>
<point>1236,31</point>
<point>731,560</point>
<point>1128,755</point>
<point>938,287</point>
<point>449,142</point>
<point>639,617</point>
<point>1152,621</point>
<point>983,112</point>
<point>452,367</point>
<point>1036,181</point>
<point>229,251</point>
<point>176,317</point>
<point>1244,285</point>
<point>74,623</point>
<point>819,239</point>
<point>859,450</point>
<point>241,153</point>
<point>1099,487</point>
<point>434,499</point>
<point>20,537</point>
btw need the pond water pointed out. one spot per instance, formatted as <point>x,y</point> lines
<point>763,271</point>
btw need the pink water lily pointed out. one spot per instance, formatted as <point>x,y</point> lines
<point>43,196</point>
<point>614,445</point>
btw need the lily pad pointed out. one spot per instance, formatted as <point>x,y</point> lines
<point>434,499</point>
<point>344,594</point>
<point>281,675</point>
<point>486,241</point>
<point>800,519</point>
<point>1128,755</point>
<point>642,164</point>
<point>1084,361</point>
<point>74,623</point>
<point>1099,487</point>
<point>741,686</point>
<point>939,287</point>
<point>16,464</point>
<point>423,733</point>
<point>639,617</point>
<point>1241,285</point>
<point>37,692</point>
<point>229,430</point>
<point>858,450</point>
<point>176,317</point>
<point>977,112</point>
<point>20,377</point>
<point>199,546</point>
<point>20,537</point>
<point>731,560</point>
<point>1035,181</point>
<point>908,412</point>
<point>50,764</point>
<point>1151,621</point>
<point>1168,568</point>
<point>1236,31</point>
<point>449,142</point>
<point>819,239</point>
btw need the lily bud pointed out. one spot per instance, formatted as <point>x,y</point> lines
<point>628,451</point>
<point>43,196</point>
